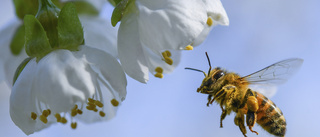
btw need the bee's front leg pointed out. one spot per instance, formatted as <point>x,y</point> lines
<point>229,93</point>
<point>209,99</point>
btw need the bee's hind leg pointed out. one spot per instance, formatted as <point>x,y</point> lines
<point>251,118</point>
<point>239,121</point>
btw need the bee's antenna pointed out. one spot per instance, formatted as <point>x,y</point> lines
<point>209,63</point>
<point>197,70</point>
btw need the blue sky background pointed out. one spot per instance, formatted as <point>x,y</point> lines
<point>261,32</point>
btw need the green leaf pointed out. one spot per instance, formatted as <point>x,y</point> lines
<point>36,40</point>
<point>118,12</point>
<point>17,41</point>
<point>48,17</point>
<point>24,7</point>
<point>20,68</point>
<point>70,31</point>
<point>83,7</point>
<point>114,2</point>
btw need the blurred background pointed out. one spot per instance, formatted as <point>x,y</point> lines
<point>261,32</point>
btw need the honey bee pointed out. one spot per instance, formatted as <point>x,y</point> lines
<point>232,93</point>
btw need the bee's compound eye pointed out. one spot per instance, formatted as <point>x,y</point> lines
<point>218,75</point>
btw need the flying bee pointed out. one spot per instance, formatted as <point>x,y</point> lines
<point>232,93</point>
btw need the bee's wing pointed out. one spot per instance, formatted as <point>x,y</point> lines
<point>276,73</point>
<point>266,79</point>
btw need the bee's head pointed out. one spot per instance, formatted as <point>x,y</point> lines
<point>213,81</point>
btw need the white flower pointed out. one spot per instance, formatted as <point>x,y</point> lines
<point>152,29</point>
<point>98,33</point>
<point>65,86</point>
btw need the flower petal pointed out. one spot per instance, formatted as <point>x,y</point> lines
<point>23,102</point>
<point>217,12</point>
<point>170,24</point>
<point>109,67</point>
<point>130,49</point>
<point>99,33</point>
<point>63,80</point>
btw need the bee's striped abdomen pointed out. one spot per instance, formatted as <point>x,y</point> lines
<point>270,117</point>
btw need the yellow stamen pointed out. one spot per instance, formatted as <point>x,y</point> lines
<point>33,115</point>
<point>58,117</point>
<point>43,119</point>
<point>90,100</point>
<point>46,113</point>
<point>95,110</point>
<point>158,75</point>
<point>64,120</point>
<point>209,21</point>
<point>189,47</point>
<point>75,107</point>
<point>91,104</point>
<point>168,60</point>
<point>114,102</point>
<point>74,125</point>
<point>73,112</point>
<point>98,103</point>
<point>91,107</point>
<point>49,111</point>
<point>159,70</point>
<point>79,111</point>
<point>166,53</point>
<point>102,114</point>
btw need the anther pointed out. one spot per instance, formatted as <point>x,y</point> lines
<point>158,75</point>
<point>91,104</point>
<point>58,117</point>
<point>189,47</point>
<point>79,111</point>
<point>33,115</point>
<point>43,119</point>
<point>209,21</point>
<point>46,113</point>
<point>114,102</point>
<point>63,120</point>
<point>102,114</point>
<point>159,70</point>
<point>166,53</point>
<point>91,100</point>
<point>98,103</point>
<point>168,60</point>
<point>75,107</point>
<point>91,107</point>
<point>73,112</point>
<point>74,125</point>
<point>49,111</point>
<point>95,110</point>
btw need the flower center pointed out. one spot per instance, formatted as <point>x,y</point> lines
<point>92,104</point>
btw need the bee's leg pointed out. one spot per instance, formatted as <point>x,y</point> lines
<point>226,89</point>
<point>251,118</point>
<point>209,100</point>
<point>228,95</point>
<point>239,121</point>
<point>223,115</point>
